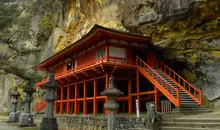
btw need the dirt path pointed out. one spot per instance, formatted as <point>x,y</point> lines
<point>5,126</point>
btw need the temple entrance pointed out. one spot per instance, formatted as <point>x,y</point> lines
<point>140,54</point>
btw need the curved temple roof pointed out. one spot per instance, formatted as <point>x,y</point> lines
<point>95,33</point>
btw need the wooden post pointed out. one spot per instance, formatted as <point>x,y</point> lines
<point>157,99</point>
<point>107,53</point>
<point>84,98</point>
<point>75,102</point>
<point>61,101</point>
<point>94,97</point>
<point>129,95</point>
<point>200,97</point>
<point>138,88</point>
<point>68,99</point>
<point>78,102</point>
<point>106,86</point>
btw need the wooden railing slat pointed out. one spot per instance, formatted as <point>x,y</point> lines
<point>181,81</point>
<point>158,77</point>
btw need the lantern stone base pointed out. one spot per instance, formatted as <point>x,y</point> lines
<point>13,117</point>
<point>27,120</point>
<point>49,123</point>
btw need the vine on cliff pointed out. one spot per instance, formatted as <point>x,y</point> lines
<point>48,12</point>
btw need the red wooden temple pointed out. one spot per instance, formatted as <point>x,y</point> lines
<point>84,67</point>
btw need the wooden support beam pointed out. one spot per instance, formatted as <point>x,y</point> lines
<point>113,70</point>
<point>68,99</point>
<point>91,79</point>
<point>84,73</point>
<point>103,70</point>
<point>75,76</point>
<point>143,93</point>
<point>95,95</point>
<point>107,52</point>
<point>157,100</point>
<point>84,99</point>
<point>106,86</point>
<point>75,102</point>
<point>130,96</point>
<point>61,100</point>
<point>95,70</point>
<point>138,88</point>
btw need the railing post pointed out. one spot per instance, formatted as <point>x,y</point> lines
<point>178,96</point>
<point>201,98</point>
<point>37,107</point>
<point>136,60</point>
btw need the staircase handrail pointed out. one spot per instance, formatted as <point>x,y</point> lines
<point>40,104</point>
<point>200,100</point>
<point>167,83</point>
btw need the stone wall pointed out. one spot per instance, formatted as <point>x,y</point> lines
<point>89,122</point>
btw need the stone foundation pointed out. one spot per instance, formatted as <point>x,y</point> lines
<point>90,122</point>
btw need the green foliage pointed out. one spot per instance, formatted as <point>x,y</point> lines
<point>47,24</point>
<point>207,103</point>
<point>47,10</point>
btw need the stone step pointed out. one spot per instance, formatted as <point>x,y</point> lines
<point>189,105</point>
<point>187,112</point>
<point>192,110</point>
<point>213,120</point>
<point>193,124</point>
<point>184,128</point>
<point>138,129</point>
<point>186,99</point>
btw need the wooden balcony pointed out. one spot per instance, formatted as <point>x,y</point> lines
<point>103,61</point>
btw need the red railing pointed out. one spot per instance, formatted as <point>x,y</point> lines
<point>40,105</point>
<point>79,68</point>
<point>166,88</point>
<point>195,93</point>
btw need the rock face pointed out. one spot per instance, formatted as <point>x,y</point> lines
<point>186,33</point>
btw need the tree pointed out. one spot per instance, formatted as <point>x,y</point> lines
<point>15,31</point>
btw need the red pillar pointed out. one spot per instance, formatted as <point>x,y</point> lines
<point>94,97</point>
<point>138,88</point>
<point>61,101</point>
<point>157,100</point>
<point>75,102</point>
<point>129,95</point>
<point>107,52</point>
<point>84,99</point>
<point>68,99</point>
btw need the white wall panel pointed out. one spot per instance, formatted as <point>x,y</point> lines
<point>117,52</point>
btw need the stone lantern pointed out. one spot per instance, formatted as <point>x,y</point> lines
<point>27,117</point>
<point>13,116</point>
<point>111,92</point>
<point>49,122</point>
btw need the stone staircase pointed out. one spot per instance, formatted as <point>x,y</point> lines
<point>187,104</point>
<point>190,123</point>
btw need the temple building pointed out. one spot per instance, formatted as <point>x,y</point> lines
<point>83,70</point>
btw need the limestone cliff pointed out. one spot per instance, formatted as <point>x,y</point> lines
<point>186,33</point>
